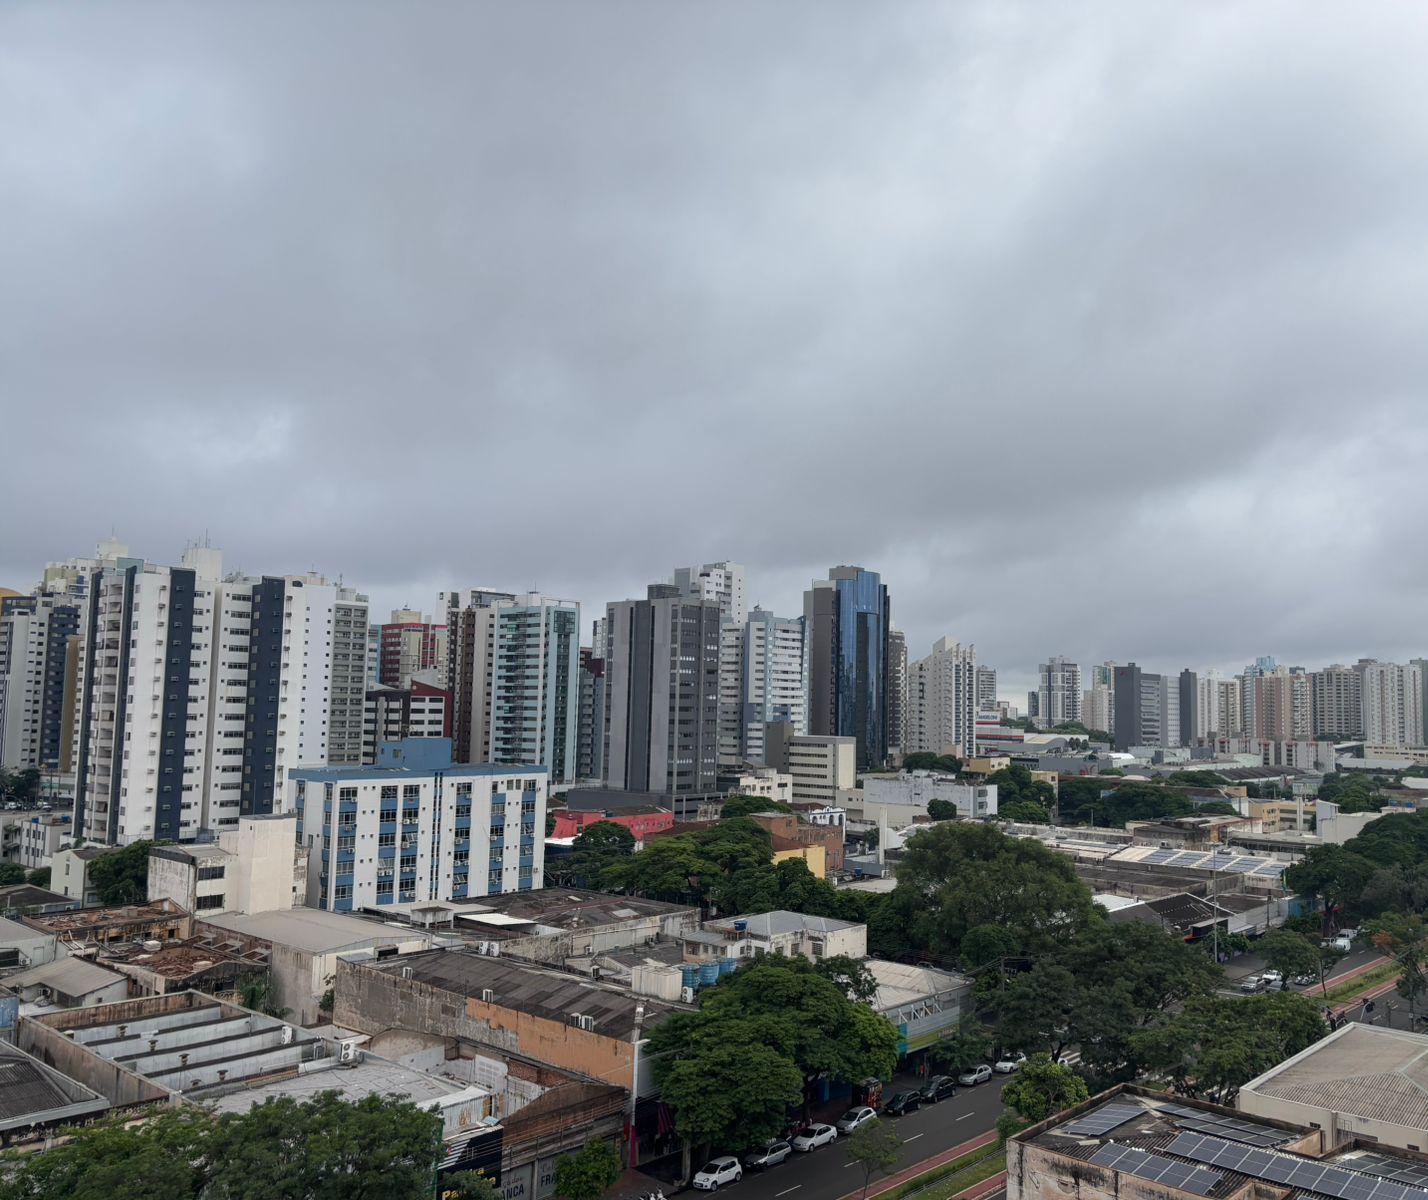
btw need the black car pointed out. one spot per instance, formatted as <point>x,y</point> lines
<point>901,1103</point>
<point>939,1087</point>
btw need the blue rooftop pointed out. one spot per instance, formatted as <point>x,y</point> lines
<point>413,756</point>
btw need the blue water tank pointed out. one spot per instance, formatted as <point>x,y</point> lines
<point>689,975</point>
<point>709,973</point>
<point>727,966</point>
<point>741,927</point>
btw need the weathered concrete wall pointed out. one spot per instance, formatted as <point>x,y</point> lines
<point>372,1001</point>
<point>116,1084</point>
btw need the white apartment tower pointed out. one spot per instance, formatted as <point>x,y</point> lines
<point>513,666</point>
<point>720,581</point>
<point>942,701</point>
<point>1392,703</point>
<point>1058,693</point>
<point>760,680</point>
<point>196,692</point>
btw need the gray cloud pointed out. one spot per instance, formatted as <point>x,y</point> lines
<point>1097,330</point>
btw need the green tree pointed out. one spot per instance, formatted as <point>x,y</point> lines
<point>1037,1091</point>
<point>874,1146</point>
<point>22,786</point>
<point>1014,783</point>
<point>964,1047</point>
<point>40,877</point>
<point>588,1174</point>
<point>1338,875</point>
<point>849,975</point>
<point>470,1185</point>
<point>1028,812</point>
<point>1291,954</point>
<point>941,810</point>
<point>549,831</point>
<point>122,876</point>
<point>965,874</point>
<point>744,806</point>
<point>985,944</point>
<point>11,873</point>
<point>1216,1044</point>
<point>255,991</point>
<point>726,1094</point>
<point>597,847</point>
<point>922,760</point>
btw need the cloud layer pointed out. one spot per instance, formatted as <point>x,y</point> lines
<point>1098,330</point>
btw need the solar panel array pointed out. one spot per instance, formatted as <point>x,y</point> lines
<point>1214,860</point>
<point>1102,1120</point>
<point>1139,1163</point>
<point>1302,1173</point>
<point>1391,1168</point>
<point>1250,1132</point>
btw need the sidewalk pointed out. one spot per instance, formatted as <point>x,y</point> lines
<point>927,1164</point>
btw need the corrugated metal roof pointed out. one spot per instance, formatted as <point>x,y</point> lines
<point>72,976</point>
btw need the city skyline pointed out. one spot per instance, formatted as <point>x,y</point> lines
<point>1018,312</point>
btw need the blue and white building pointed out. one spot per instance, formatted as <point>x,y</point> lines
<point>417,828</point>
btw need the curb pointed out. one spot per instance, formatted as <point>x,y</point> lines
<point>1373,994</point>
<point>992,1183</point>
<point>927,1164</point>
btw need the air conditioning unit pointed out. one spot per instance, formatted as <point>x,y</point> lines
<point>288,1035</point>
<point>586,1023</point>
<point>687,995</point>
<point>347,1052</point>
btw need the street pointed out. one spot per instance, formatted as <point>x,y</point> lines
<point>1252,964</point>
<point>827,1173</point>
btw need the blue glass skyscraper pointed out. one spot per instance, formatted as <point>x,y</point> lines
<point>847,618</point>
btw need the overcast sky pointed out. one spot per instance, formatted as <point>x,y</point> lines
<point>1099,329</point>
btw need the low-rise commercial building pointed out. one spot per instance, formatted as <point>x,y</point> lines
<point>303,946</point>
<point>796,830</point>
<point>1362,1081</point>
<point>158,921</point>
<point>898,800</point>
<point>69,872</point>
<point>641,821</point>
<point>257,867</point>
<point>788,933</point>
<point>67,983</point>
<point>823,768</point>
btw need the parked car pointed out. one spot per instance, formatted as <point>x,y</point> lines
<point>1272,979</point>
<point>854,1117</point>
<point>1252,983</point>
<point>1351,934</point>
<point>1008,1063</point>
<point>975,1075</point>
<point>1342,944</point>
<point>1305,980</point>
<point>718,1171</point>
<point>939,1087</point>
<point>810,1137</point>
<point>901,1103</point>
<point>770,1156</point>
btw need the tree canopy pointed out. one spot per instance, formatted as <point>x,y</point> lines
<point>1039,1089</point>
<point>922,760</point>
<point>1015,784</point>
<point>743,806</point>
<point>122,876</point>
<point>589,1173</point>
<point>322,1149</point>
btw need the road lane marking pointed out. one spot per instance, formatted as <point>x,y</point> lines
<point>852,1162</point>
<point>786,1191</point>
<point>913,1138</point>
<point>964,1116</point>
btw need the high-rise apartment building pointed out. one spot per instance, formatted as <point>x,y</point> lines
<point>1338,701</point>
<point>986,689</point>
<point>1098,709</point>
<point>37,636</point>
<point>722,582</point>
<point>662,693</point>
<point>942,701</point>
<point>197,691</point>
<point>897,692</point>
<point>470,648</point>
<point>846,621</point>
<point>408,644</point>
<point>1189,706</point>
<point>396,714</point>
<point>1392,703</point>
<point>760,680</point>
<point>590,738</point>
<point>1058,693</point>
<point>514,662</point>
<point>1147,709</point>
<point>347,710</point>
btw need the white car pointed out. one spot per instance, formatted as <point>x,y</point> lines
<point>975,1076</point>
<point>810,1137</point>
<point>717,1171</point>
<point>1272,978</point>
<point>1008,1063</point>
<point>854,1117</point>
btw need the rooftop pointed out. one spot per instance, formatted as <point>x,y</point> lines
<point>113,916</point>
<point>1361,1070</point>
<point>72,976</point>
<point>547,911</point>
<point>34,1094</point>
<point>901,983</point>
<point>1191,1148</point>
<point>555,995</point>
<point>312,929</point>
<point>780,921</point>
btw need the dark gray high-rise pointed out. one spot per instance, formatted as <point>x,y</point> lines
<point>662,693</point>
<point>1189,706</point>
<point>847,618</point>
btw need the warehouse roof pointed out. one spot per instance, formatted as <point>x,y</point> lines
<point>1360,1070</point>
<point>71,976</point>
<point>312,929</point>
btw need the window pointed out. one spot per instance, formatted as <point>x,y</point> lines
<point>210,902</point>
